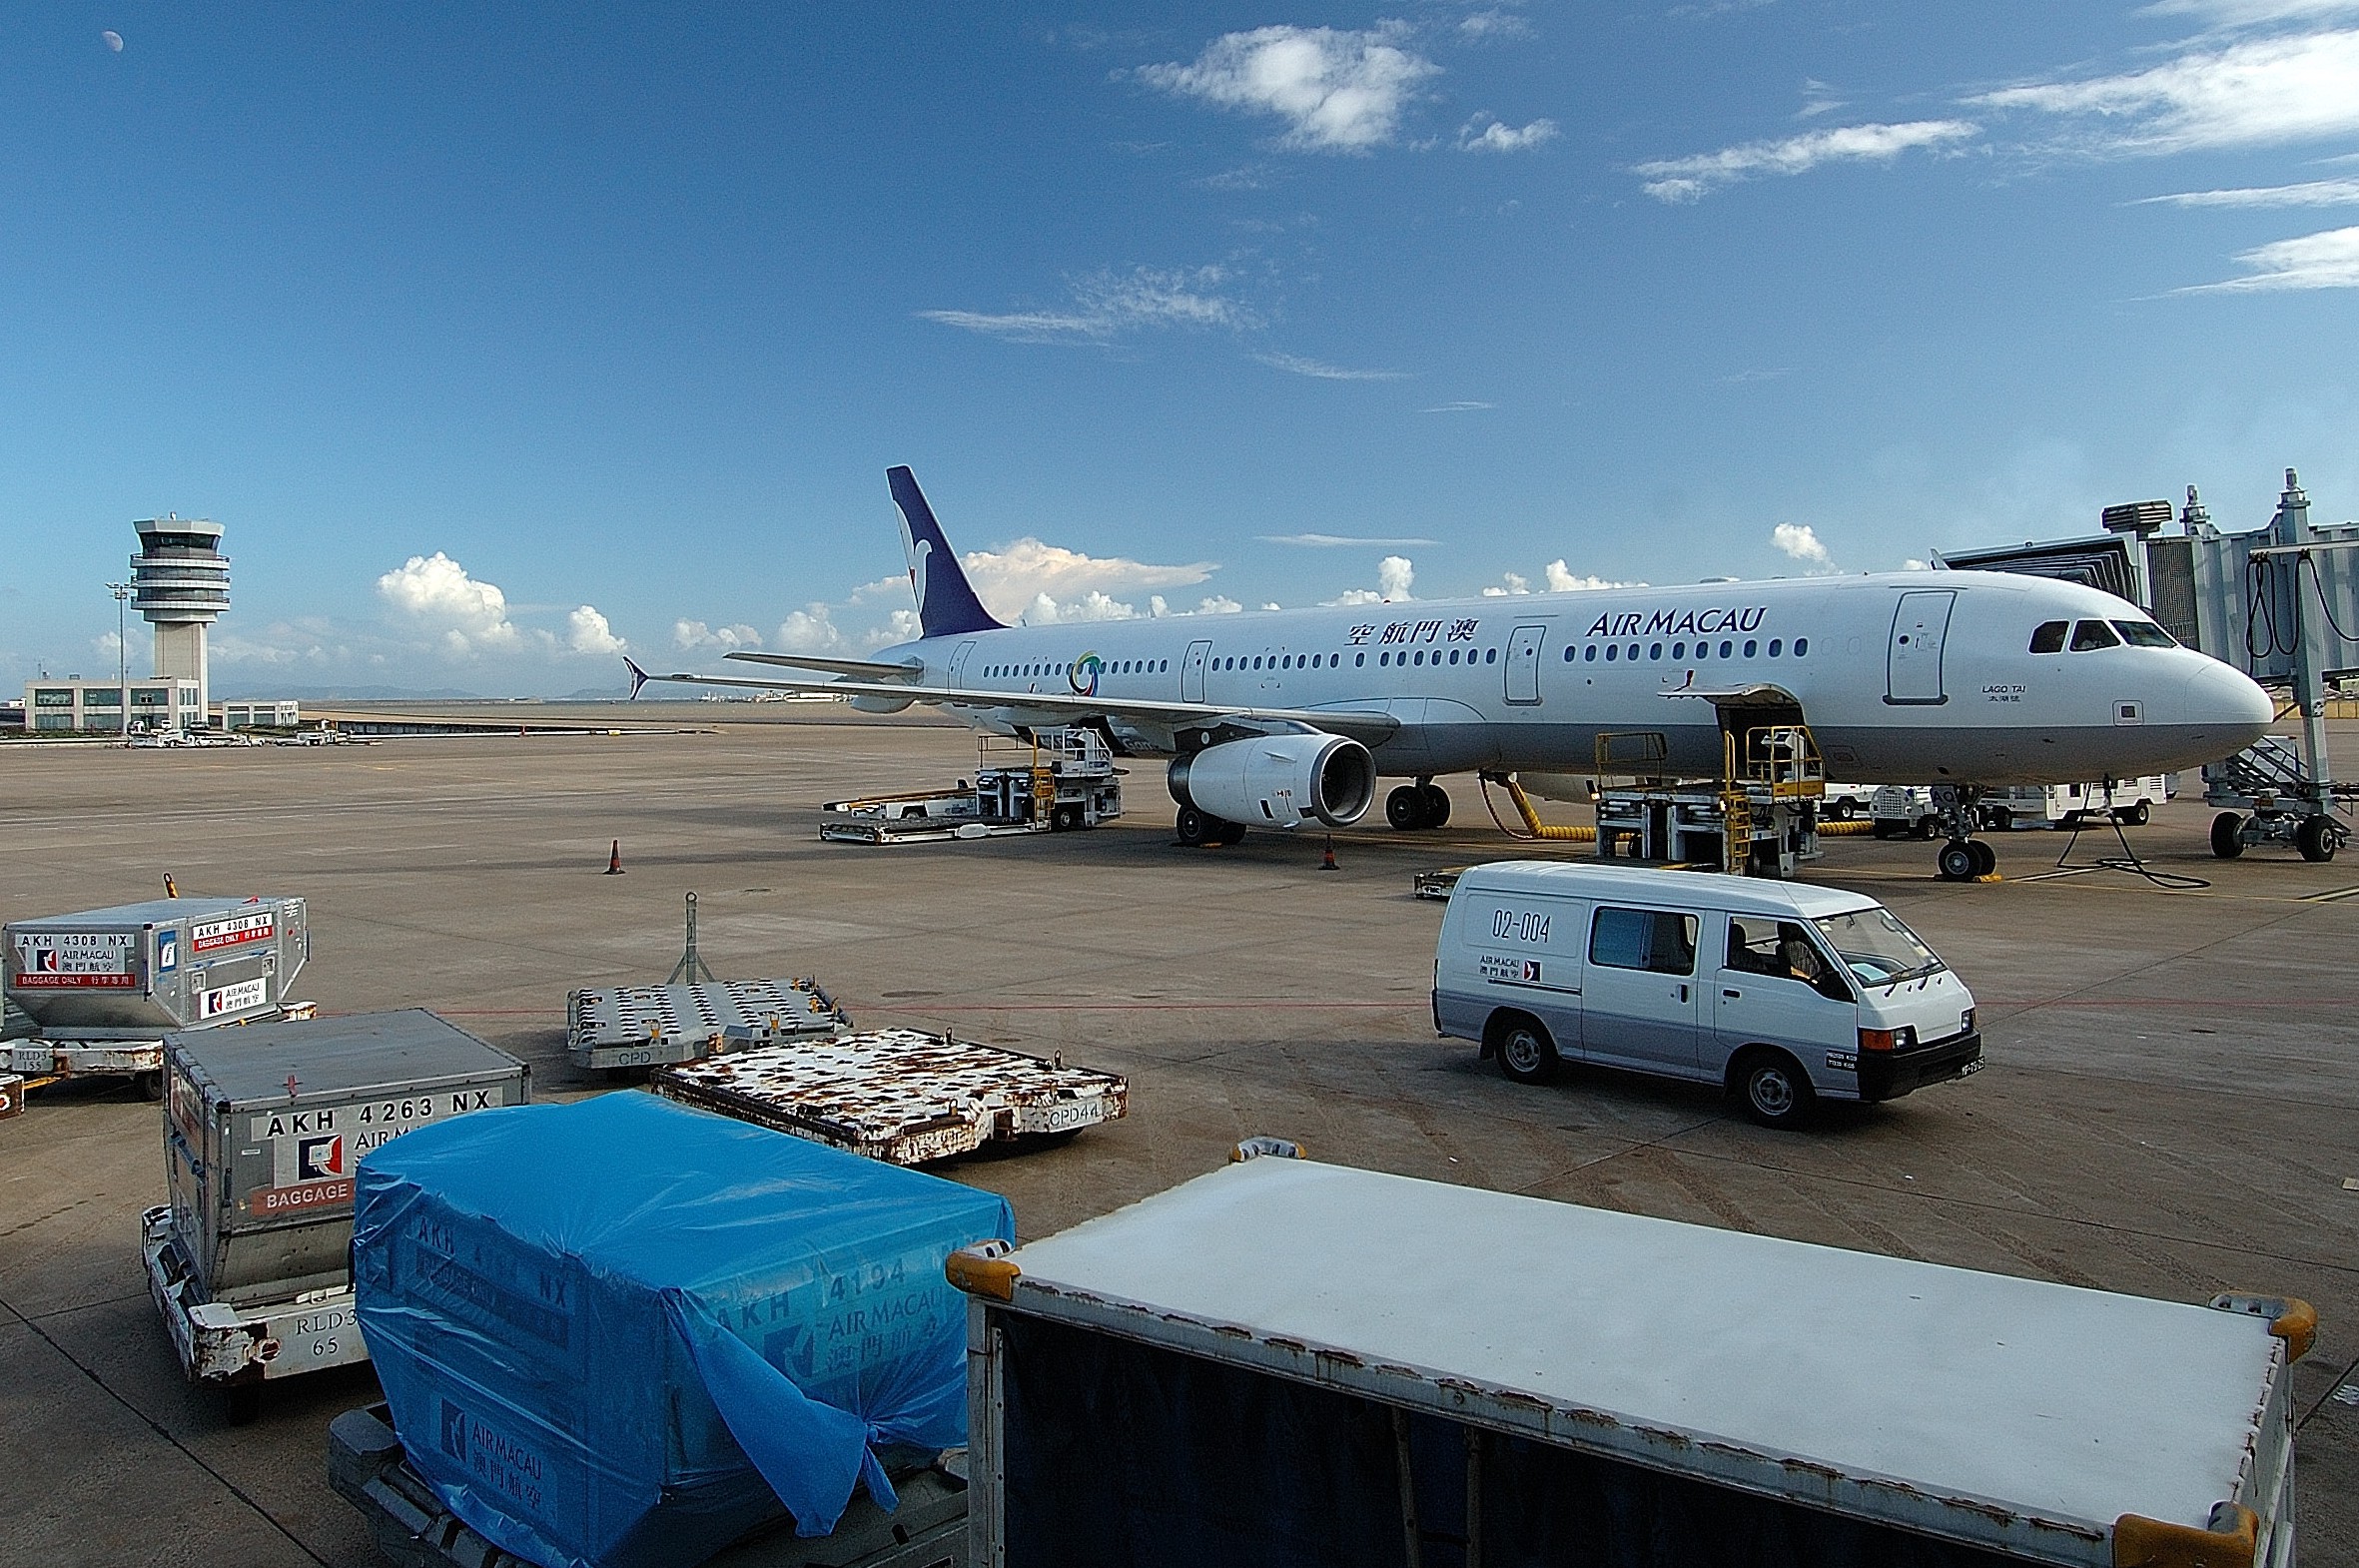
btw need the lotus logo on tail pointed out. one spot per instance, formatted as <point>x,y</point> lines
<point>1082,677</point>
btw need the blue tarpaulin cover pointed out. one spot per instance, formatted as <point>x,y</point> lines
<point>621,1332</point>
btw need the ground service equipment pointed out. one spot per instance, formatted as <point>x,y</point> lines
<point>103,987</point>
<point>251,1263</point>
<point>365,1464</point>
<point>899,1094</point>
<point>1065,778</point>
<point>623,1334</point>
<point>1285,1363</point>
<point>646,1025</point>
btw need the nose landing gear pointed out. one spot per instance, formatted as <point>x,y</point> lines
<point>1964,858</point>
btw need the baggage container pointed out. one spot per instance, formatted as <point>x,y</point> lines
<point>264,1126</point>
<point>899,1095</point>
<point>646,1025</point>
<point>140,970</point>
<point>368,1468</point>
<point>623,1332</point>
<point>1298,1364</point>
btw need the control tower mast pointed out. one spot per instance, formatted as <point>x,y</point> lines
<point>179,582</point>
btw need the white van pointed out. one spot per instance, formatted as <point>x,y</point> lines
<point>1785,994</point>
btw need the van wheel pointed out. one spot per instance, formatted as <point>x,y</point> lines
<point>1523,1048</point>
<point>2133,816</point>
<point>1777,1092</point>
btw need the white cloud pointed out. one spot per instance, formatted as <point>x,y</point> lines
<point>693,636</point>
<point>1690,178</point>
<point>1331,540</point>
<point>1494,22</point>
<point>1462,405</point>
<point>1337,90</point>
<point>1563,579</point>
<point>1347,598</point>
<point>2314,261</point>
<point>2256,93</point>
<point>436,592</point>
<point>811,629</point>
<point>586,631</point>
<point>2253,13</point>
<point>1019,575</point>
<point>1494,135</point>
<point>1295,365</point>
<point>2312,193</point>
<point>1802,542</point>
<point>1106,304</point>
<point>1394,576</point>
<point>1218,604</point>
<point>1096,604</point>
<point>1510,586</point>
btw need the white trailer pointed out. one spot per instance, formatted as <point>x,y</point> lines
<point>1301,1363</point>
<point>2129,802</point>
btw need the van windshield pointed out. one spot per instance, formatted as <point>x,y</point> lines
<point>1876,947</point>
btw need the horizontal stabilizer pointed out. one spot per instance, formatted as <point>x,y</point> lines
<point>878,669</point>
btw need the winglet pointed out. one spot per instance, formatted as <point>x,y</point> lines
<point>639,677</point>
<point>947,606</point>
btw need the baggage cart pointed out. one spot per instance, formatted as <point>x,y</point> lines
<point>366,1468</point>
<point>899,1094</point>
<point>1299,1364</point>
<point>249,1262</point>
<point>649,1025</point>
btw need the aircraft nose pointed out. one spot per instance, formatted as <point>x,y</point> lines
<point>2232,701</point>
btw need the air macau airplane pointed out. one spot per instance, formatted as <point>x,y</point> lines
<point>1962,679</point>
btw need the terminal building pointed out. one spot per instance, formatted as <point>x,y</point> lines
<point>180,584</point>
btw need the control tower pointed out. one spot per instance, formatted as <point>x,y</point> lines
<point>180,582</point>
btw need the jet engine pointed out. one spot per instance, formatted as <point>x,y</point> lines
<point>1279,781</point>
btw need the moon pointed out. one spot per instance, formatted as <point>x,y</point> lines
<point>113,40</point>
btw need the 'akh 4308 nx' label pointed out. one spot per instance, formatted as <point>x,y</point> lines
<point>233,931</point>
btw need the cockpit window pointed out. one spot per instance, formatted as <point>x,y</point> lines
<point>2093,634</point>
<point>2144,635</point>
<point>2049,637</point>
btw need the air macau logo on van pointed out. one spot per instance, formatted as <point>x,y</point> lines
<point>1082,677</point>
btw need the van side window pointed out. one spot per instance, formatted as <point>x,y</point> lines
<point>2049,637</point>
<point>1753,945</point>
<point>1648,939</point>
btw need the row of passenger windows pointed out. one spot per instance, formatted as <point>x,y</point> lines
<point>2048,636</point>
<point>1679,650</point>
<point>1053,667</point>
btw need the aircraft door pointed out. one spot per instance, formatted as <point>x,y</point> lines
<point>958,664</point>
<point>1913,662</point>
<point>1523,664</point>
<point>1192,672</point>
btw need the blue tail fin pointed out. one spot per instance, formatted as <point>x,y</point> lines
<point>947,606</point>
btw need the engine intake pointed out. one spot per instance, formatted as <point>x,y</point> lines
<point>1279,781</point>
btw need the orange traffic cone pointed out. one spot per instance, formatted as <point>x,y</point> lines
<point>614,860</point>
<point>1329,863</point>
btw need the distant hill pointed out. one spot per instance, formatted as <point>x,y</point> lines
<point>350,694</point>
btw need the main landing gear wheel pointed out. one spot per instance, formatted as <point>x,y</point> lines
<point>1438,804</point>
<point>1195,828</point>
<point>1404,808</point>
<point>1959,862</point>
<point>2227,835</point>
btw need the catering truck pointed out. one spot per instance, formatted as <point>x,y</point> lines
<point>1783,992</point>
<point>1287,1362</point>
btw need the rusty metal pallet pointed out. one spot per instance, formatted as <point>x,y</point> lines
<point>899,1095</point>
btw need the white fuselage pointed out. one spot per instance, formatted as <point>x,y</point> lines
<point>1923,678</point>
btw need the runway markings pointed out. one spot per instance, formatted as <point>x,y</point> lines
<point>2334,896</point>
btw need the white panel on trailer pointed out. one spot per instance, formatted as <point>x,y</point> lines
<point>2011,1413</point>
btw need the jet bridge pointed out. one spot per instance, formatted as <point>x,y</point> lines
<point>2280,604</point>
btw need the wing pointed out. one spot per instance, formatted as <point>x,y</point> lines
<point>1369,726</point>
<point>871,669</point>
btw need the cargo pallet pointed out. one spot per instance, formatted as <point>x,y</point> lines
<point>650,1025</point>
<point>1069,782</point>
<point>899,1095</point>
<point>368,1468</point>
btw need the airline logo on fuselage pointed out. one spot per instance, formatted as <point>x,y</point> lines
<point>1677,623</point>
<point>1083,676</point>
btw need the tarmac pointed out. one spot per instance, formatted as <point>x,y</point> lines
<point>2170,1106</point>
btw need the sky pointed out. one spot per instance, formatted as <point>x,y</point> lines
<point>504,339</point>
